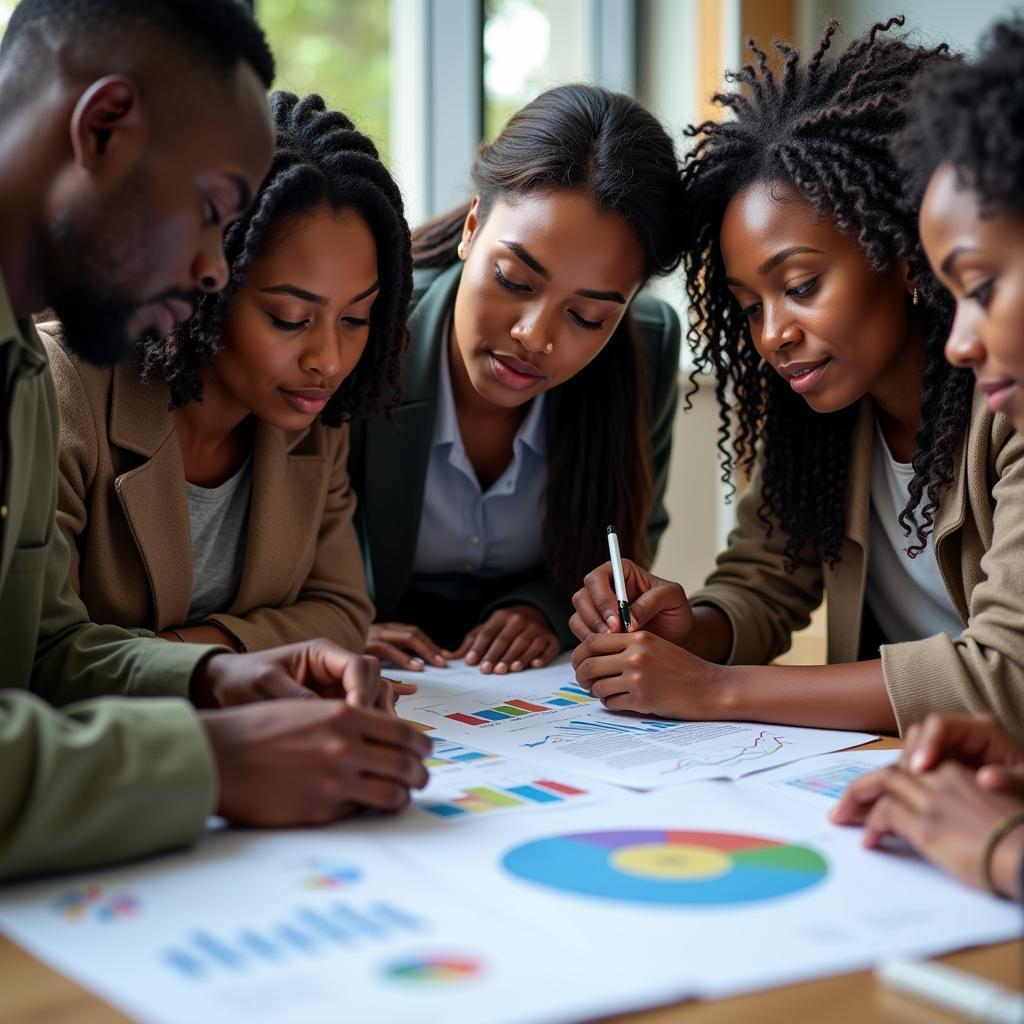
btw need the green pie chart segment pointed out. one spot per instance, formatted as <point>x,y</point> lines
<point>668,867</point>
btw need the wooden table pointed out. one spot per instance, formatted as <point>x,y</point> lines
<point>32,993</point>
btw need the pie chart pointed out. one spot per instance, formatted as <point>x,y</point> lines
<point>434,970</point>
<point>656,866</point>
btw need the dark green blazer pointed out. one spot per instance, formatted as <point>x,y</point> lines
<point>388,461</point>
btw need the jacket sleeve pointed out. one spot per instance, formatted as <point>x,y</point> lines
<point>75,659</point>
<point>80,785</point>
<point>751,587</point>
<point>664,338</point>
<point>982,669</point>
<point>333,601</point>
<point>79,447</point>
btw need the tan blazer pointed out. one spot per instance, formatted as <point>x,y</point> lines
<point>122,506</point>
<point>979,545</point>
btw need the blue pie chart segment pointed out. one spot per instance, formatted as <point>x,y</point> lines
<point>668,867</point>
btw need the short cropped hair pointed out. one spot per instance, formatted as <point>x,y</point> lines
<point>219,32</point>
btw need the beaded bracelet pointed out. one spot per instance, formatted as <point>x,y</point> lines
<point>1000,830</point>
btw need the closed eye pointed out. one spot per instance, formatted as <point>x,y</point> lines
<point>983,294</point>
<point>587,325</point>
<point>509,286</point>
<point>355,321</point>
<point>803,289</point>
<point>287,325</point>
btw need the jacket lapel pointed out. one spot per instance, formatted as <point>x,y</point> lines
<point>398,453</point>
<point>288,492</point>
<point>152,494</point>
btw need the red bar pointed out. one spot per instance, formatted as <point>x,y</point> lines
<point>560,787</point>
<point>526,705</point>
<point>467,719</point>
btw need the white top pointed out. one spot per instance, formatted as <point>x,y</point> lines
<point>465,531</point>
<point>219,520</point>
<point>906,595</point>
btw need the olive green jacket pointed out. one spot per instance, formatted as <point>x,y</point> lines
<point>100,780</point>
<point>388,462</point>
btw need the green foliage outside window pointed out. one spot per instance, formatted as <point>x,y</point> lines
<point>338,48</point>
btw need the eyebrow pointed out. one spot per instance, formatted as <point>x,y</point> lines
<point>953,256</point>
<point>537,267</point>
<point>301,293</point>
<point>773,261</point>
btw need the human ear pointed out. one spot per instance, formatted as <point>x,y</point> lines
<point>105,119</point>
<point>469,226</point>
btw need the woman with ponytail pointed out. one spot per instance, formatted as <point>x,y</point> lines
<point>204,489</point>
<point>539,391</point>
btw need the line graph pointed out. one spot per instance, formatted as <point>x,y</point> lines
<point>765,744</point>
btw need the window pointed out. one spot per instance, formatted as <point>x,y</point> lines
<point>338,48</point>
<point>529,46</point>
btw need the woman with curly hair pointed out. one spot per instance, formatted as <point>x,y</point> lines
<point>540,389</point>
<point>204,490</point>
<point>957,795</point>
<point>876,479</point>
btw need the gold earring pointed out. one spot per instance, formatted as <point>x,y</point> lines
<point>460,250</point>
<point>914,299</point>
<point>549,347</point>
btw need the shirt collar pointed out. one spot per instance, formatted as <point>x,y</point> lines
<point>446,424</point>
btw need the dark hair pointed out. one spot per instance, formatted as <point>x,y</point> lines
<point>320,159</point>
<point>825,128</point>
<point>606,145</point>
<point>971,114</point>
<point>221,32</point>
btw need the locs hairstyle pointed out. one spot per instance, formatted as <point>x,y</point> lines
<point>824,127</point>
<point>320,159</point>
<point>971,114</point>
<point>607,146</point>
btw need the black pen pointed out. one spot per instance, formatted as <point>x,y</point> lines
<point>619,578</point>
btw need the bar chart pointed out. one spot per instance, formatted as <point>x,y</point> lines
<point>447,754</point>
<point>308,931</point>
<point>563,697</point>
<point>485,798</point>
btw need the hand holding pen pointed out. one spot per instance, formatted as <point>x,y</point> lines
<point>650,603</point>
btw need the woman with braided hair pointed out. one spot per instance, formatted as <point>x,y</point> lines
<point>204,489</point>
<point>875,478</point>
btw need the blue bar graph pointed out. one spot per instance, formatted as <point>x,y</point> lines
<point>310,931</point>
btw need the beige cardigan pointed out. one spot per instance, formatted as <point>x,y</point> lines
<point>979,545</point>
<point>122,506</point>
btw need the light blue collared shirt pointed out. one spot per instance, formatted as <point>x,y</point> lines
<point>467,532</point>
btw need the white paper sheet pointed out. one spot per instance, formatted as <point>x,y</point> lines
<point>542,716</point>
<point>820,781</point>
<point>310,928</point>
<point>716,888</point>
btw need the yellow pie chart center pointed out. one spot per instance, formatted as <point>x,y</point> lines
<point>671,861</point>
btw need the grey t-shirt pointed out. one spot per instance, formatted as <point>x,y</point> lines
<point>219,517</point>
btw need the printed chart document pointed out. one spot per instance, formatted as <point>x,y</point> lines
<point>317,927</point>
<point>716,887</point>
<point>820,781</point>
<point>542,716</point>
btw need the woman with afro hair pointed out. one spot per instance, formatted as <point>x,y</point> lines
<point>957,795</point>
<point>875,479</point>
<point>204,490</point>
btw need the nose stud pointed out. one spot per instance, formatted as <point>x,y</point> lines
<point>549,347</point>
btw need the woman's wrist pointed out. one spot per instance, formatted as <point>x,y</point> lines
<point>1003,872</point>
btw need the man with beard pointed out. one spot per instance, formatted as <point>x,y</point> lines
<point>131,133</point>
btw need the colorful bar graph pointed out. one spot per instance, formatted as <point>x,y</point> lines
<point>447,753</point>
<point>479,799</point>
<point>563,697</point>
